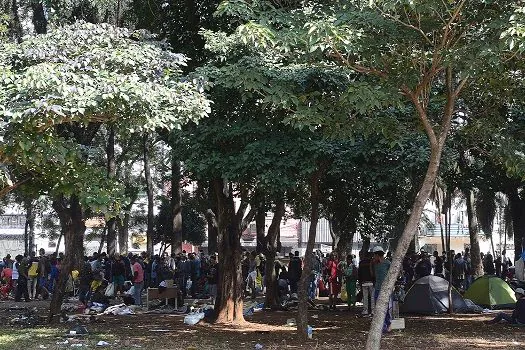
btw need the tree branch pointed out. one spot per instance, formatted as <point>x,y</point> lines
<point>357,67</point>
<point>247,219</point>
<point>5,190</point>
<point>422,114</point>
<point>407,25</point>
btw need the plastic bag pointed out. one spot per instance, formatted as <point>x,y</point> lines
<point>193,318</point>
<point>110,290</point>
<point>344,294</point>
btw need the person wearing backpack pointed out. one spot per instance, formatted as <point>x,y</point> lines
<point>459,270</point>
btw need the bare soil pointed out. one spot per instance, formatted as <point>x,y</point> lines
<point>340,329</point>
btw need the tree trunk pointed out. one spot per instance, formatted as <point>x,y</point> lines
<point>102,239</point>
<point>270,251</point>
<point>59,242</point>
<point>123,234</point>
<point>16,31</point>
<point>149,190</point>
<point>475,256</point>
<point>517,212</point>
<point>39,17</point>
<point>302,311</point>
<point>374,336</point>
<point>27,248</point>
<point>72,224</point>
<point>229,302</point>
<point>31,223</point>
<point>212,221</point>
<point>111,224</point>
<point>260,223</point>
<point>176,205</point>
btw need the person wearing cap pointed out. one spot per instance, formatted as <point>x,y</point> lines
<point>518,315</point>
<point>381,267</point>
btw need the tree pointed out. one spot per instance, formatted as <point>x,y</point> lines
<point>424,53</point>
<point>193,228</point>
<point>53,105</point>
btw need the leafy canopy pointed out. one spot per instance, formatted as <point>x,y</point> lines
<point>86,72</point>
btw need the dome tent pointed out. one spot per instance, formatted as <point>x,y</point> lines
<point>491,292</point>
<point>429,295</point>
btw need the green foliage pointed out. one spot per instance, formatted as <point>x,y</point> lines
<point>193,222</point>
<point>4,21</point>
<point>87,72</point>
<point>56,89</point>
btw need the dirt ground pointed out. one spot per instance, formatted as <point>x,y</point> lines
<point>340,329</point>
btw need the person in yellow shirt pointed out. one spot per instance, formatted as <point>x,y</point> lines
<point>32,274</point>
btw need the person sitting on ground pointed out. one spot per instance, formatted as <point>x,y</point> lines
<point>284,287</point>
<point>99,295</point>
<point>518,315</point>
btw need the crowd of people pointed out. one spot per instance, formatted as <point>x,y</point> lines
<point>103,276</point>
<point>459,265</point>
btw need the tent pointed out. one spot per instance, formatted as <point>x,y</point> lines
<point>491,292</point>
<point>429,295</point>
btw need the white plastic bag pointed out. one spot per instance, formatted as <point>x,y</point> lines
<point>193,318</point>
<point>110,290</point>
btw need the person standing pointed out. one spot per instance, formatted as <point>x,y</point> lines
<point>438,265</point>
<point>21,288</point>
<point>364,275</point>
<point>213,276</point>
<point>350,274</point>
<point>381,267</point>
<point>32,276</point>
<point>295,271</point>
<point>138,280</point>
<point>14,276</point>
<point>459,270</point>
<point>334,280</point>
<point>118,272</point>
<point>44,268</point>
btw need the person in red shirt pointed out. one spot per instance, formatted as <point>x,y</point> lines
<point>7,283</point>
<point>334,279</point>
<point>138,280</point>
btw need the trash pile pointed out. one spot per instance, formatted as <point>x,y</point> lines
<point>250,308</point>
<point>25,317</point>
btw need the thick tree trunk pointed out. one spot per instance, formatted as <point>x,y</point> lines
<point>111,225</point>
<point>270,251</point>
<point>374,336</point>
<point>475,257</point>
<point>123,234</point>
<point>229,302</point>
<point>72,224</point>
<point>39,17</point>
<point>302,311</point>
<point>517,212</point>
<point>149,190</point>
<point>176,205</point>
